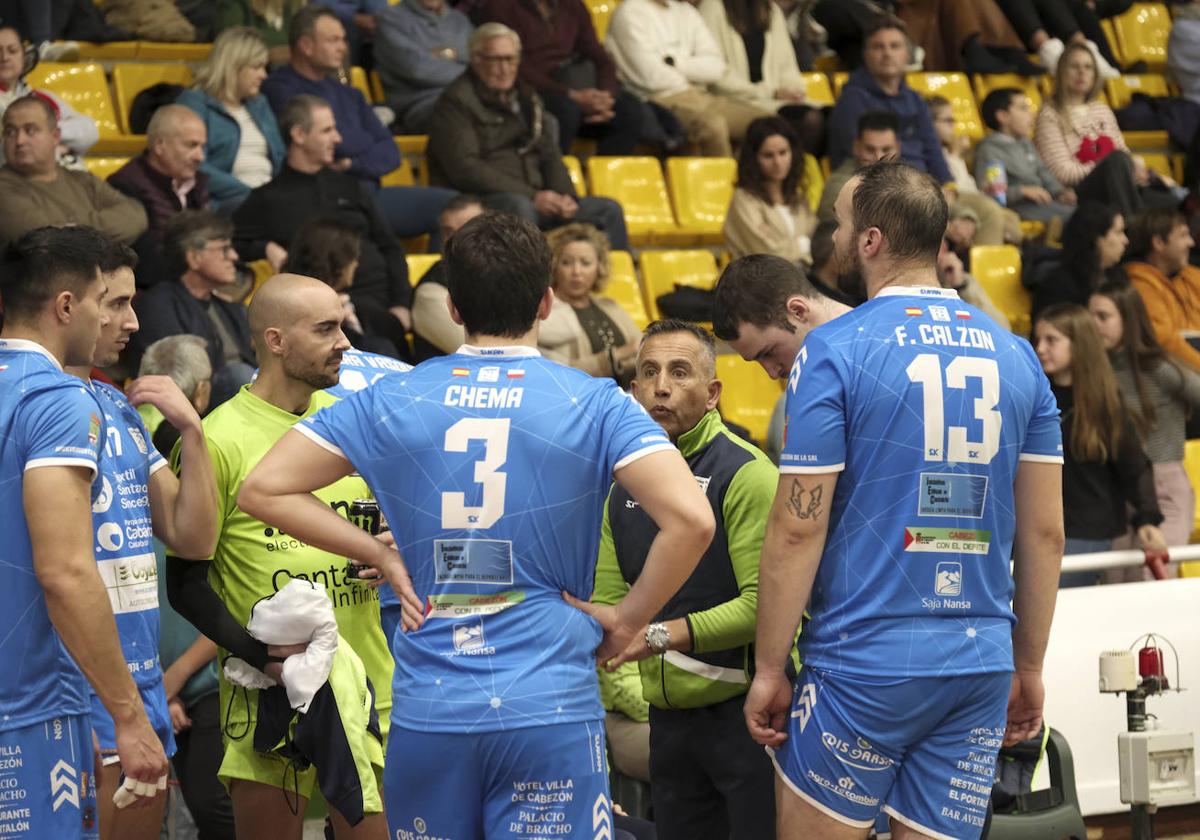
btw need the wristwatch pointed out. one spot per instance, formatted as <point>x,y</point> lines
<point>658,638</point>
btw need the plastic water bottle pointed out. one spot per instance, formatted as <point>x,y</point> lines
<point>996,177</point>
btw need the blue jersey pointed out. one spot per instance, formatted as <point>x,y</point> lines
<point>361,369</point>
<point>124,539</point>
<point>926,406</point>
<point>492,467</point>
<point>47,419</point>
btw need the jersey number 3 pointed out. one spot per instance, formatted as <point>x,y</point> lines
<point>494,434</point>
<point>942,444</point>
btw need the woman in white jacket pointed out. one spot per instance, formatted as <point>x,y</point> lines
<point>760,64</point>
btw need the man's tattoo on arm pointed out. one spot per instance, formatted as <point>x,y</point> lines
<point>803,502</point>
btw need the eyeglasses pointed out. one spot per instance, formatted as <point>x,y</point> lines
<point>225,249</point>
<point>495,60</point>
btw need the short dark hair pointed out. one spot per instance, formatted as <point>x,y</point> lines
<point>40,101</point>
<point>1000,99</point>
<point>821,243</point>
<point>304,22</point>
<point>877,121</point>
<point>497,271</point>
<point>880,23</point>
<point>45,262</point>
<point>754,290</point>
<point>190,231</point>
<point>461,201</point>
<point>118,255</point>
<point>297,112</point>
<point>322,248</point>
<point>1157,221</point>
<point>906,205</point>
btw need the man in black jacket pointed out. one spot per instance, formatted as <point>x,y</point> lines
<point>309,185</point>
<point>199,252</point>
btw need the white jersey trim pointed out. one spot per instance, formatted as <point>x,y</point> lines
<point>703,669</point>
<point>913,824</point>
<point>24,346</point>
<point>820,806</point>
<point>1040,459</point>
<point>916,291</point>
<point>161,463</point>
<point>641,453</point>
<point>60,462</point>
<point>831,468</point>
<point>514,351</point>
<point>319,441</point>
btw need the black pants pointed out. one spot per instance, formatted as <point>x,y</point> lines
<point>1111,183</point>
<point>1059,19</point>
<point>618,136</point>
<point>708,778</point>
<point>844,21</point>
<point>197,759</point>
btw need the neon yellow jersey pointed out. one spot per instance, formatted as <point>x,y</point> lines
<point>253,560</point>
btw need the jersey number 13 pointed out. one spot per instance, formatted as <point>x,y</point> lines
<point>951,444</point>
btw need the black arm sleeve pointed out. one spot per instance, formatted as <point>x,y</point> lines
<point>192,596</point>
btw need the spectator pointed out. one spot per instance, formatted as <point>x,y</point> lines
<point>488,136</point>
<point>1081,143</point>
<point>183,358</point>
<point>434,332</point>
<point>166,179</point>
<point>707,777</point>
<point>361,20</point>
<point>769,213</point>
<point>35,191</point>
<point>1183,49</point>
<point>79,132</point>
<point>877,138</point>
<point>309,185</point>
<point>586,330</point>
<point>1092,246</point>
<point>422,47</point>
<point>199,253</point>
<point>1159,393</point>
<point>1159,244</point>
<point>664,53</point>
<point>1033,191</point>
<point>1105,470</point>
<point>1046,26</point>
<point>269,18</point>
<point>761,66</point>
<point>562,60</point>
<point>879,85</point>
<point>244,149</point>
<point>997,224</point>
<point>952,275</point>
<point>328,250</point>
<point>365,148</point>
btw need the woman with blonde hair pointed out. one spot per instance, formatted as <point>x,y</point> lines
<point>1081,143</point>
<point>244,148</point>
<point>585,329</point>
<point>1105,470</point>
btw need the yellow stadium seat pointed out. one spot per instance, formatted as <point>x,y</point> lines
<point>1140,141</point>
<point>1110,33</point>
<point>1121,90</point>
<point>1191,462</point>
<point>168,51</point>
<point>1159,162</point>
<point>575,170</point>
<point>748,395</point>
<point>418,264</point>
<point>637,184</point>
<point>814,181</point>
<point>102,167</point>
<point>601,12</point>
<point>401,176</point>
<point>985,84</point>
<point>262,273</point>
<point>358,80</point>
<point>624,288</point>
<point>662,271</point>
<point>1178,165</point>
<point>109,51</point>
<point>1142,32</point>
<point>414,144</point>
<point>701,189</point>
<point>828,63</point>
<point>998,270</point>
<point>956,88</point>
<point>84,87</point>
<point>378,95</point>
<point>131,79</point>
<point>838,80</point>
<point>816,89</point>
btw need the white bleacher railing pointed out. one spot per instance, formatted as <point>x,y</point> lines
<point>1101,560</point>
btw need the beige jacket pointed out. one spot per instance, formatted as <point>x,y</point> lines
<point>561,337</point>
<point>72,198</point>
<point>779,69</point>
<point>754,227</point>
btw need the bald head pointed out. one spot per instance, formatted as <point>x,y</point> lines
<point>286,299</point>
<point>296,324</point>
<point>175,141</point>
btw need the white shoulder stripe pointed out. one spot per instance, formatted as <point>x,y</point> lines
<point>319,441</point>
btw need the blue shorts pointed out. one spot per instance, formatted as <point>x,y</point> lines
<point>923,749</point>
<point>155,701</point>
<point>540,782</point>
<point>47,786</point>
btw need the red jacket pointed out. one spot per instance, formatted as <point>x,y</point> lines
<point>546,44</point>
